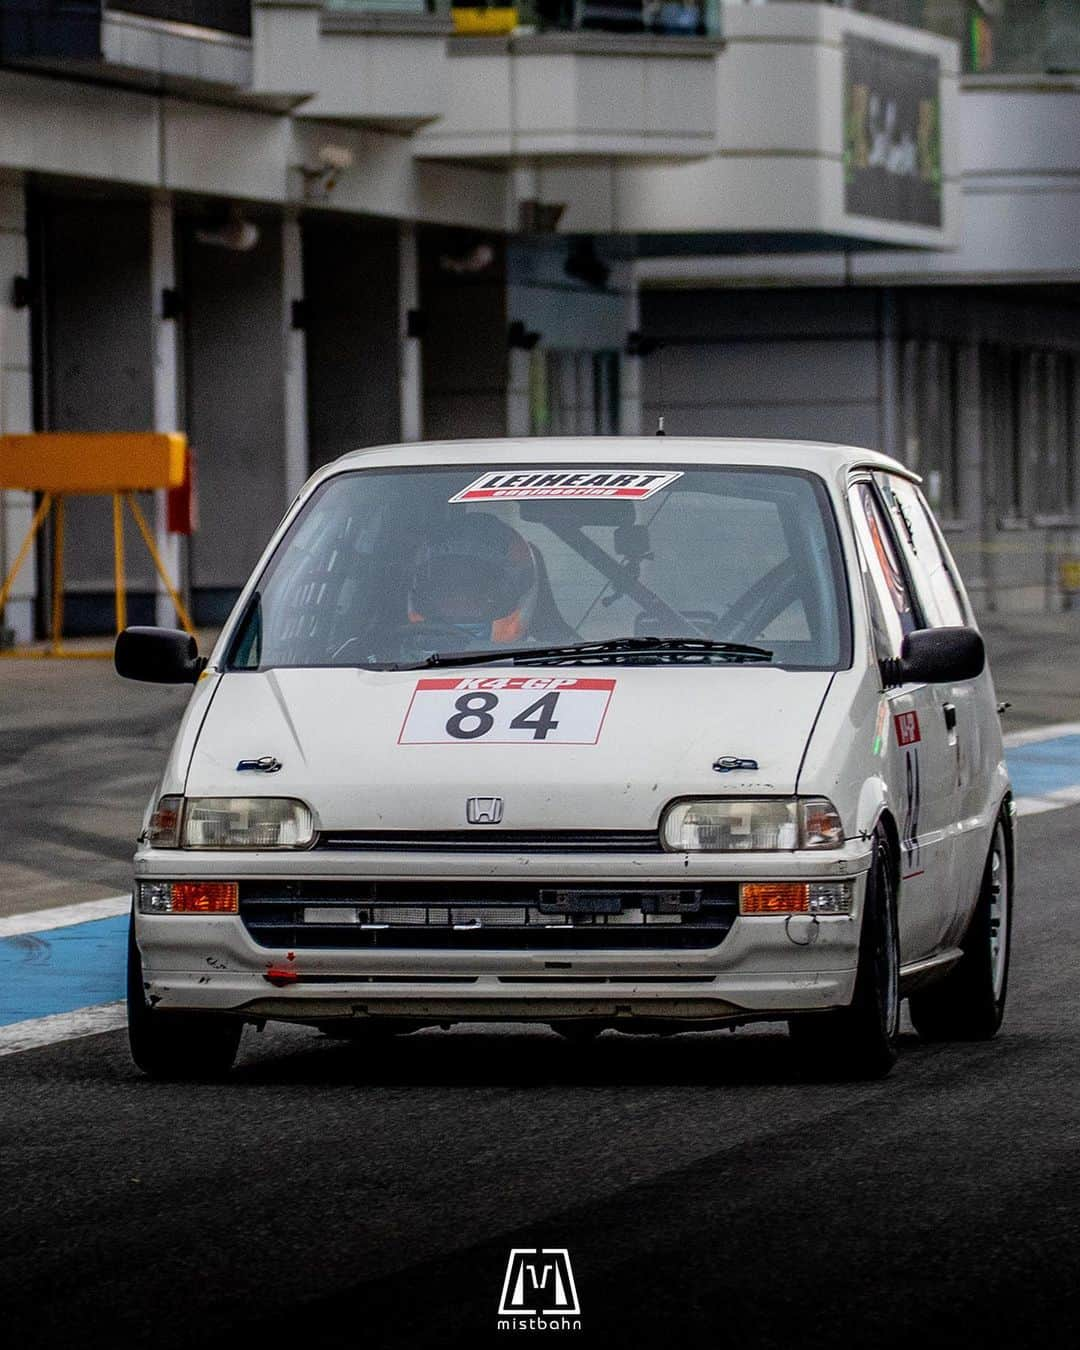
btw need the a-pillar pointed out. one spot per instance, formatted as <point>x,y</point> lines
<point>16,400</point>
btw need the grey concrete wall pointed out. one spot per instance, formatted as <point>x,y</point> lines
<point>836,365</point>
<point>764,363</point>
<point>95,342</point>
<point>351,330</point>
<point>1017,516</point>
<point>234,333</point>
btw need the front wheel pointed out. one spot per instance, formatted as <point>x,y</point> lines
<point>860,1041</point>
<point>175,1045</point>
<point>969,1003</point>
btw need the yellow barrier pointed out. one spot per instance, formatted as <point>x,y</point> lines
<point>63,464</point>
<point>488,20</point>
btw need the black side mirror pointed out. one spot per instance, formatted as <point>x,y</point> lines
<point>159,655</point>
<point>936,656</point>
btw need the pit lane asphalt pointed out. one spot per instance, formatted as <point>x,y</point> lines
<point>707,1194</point>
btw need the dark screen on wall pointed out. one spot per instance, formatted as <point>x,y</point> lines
<point>892,133</point>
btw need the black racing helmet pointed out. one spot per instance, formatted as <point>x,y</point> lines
<point>479,576</point>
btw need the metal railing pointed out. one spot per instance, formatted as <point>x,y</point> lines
<point>226,16</point>
<point>681,18</point>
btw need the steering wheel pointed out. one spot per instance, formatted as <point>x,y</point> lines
<point>419,634</point>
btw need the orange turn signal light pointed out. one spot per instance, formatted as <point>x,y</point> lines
<point>774,897</point>
<point>205,897</point>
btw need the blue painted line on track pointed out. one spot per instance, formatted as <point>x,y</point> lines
<point>62,969</point>
<point>1044,766</point>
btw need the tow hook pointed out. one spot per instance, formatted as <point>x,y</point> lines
<point>279,976</point>
<point>805,934</point>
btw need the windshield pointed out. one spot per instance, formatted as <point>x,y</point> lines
<point>383,567</point>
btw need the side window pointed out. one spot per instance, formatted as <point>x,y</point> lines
<point>935,581</point>
<point>892,599</point>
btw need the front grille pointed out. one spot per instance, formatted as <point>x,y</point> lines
<point>483,840</point>
<point>486,916</point>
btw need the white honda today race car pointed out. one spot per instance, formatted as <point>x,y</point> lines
<point>650,734</point>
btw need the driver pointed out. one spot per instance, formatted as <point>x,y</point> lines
<point>479,577</point>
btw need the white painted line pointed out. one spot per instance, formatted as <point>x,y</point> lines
<point>40,921</point>
<point>67,1026</point>
<point>1032,806</point>
<point>1048,801</point>
<point>1036,734</point>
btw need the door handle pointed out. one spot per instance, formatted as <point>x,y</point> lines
<point>949,709</point>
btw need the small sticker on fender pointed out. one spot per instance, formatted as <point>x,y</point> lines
<point>907,728</point>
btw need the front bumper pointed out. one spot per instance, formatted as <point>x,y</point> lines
<point>764,965</point>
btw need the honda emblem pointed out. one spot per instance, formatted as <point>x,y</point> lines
<point>483,810</point>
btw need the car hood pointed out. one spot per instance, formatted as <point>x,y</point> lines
<point>338,734</point>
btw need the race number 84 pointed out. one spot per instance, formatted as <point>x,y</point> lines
<point>477,710</point>
<point>506,710</point>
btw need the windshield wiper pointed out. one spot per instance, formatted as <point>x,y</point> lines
<point>609,651</point>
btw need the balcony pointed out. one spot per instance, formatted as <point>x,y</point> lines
<point>384,68</point>
<point>861,147</point>
<point>182,45</point>
<point>577,95</point>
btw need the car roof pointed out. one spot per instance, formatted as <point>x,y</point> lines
<point>822,456</point>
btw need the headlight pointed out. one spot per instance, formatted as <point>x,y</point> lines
<point>246,822</point>
<point>765,824</point>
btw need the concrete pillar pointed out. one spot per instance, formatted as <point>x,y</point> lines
<point>296,425</point>
<point>889,378</point>
<point>975,500</point>
<point>518,419</point>
<point>630,383</point>
<point>410,377</point>
<point>167,411</point>
<point>16,402</point>
<point>235,325</point>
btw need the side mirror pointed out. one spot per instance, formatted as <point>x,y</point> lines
<point>159,655</point>
<point>937,656</point>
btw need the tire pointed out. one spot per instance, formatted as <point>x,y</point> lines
<point>969,1003</point>
<point>860,1041</point>
<point>176,1045</point>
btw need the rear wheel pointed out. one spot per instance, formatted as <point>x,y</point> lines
<point>175,1045</point>
<point>860,1041</point>
<point>969,1003</point>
